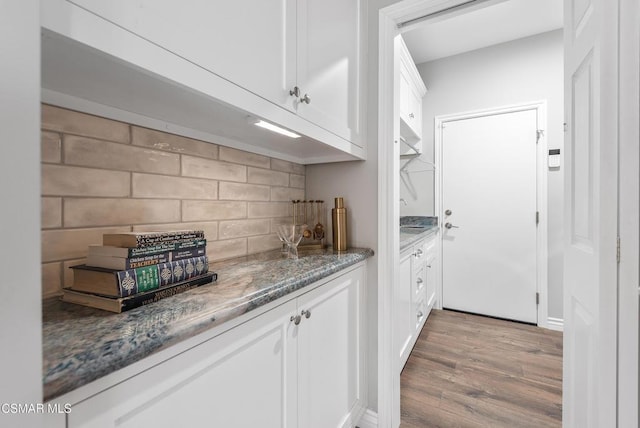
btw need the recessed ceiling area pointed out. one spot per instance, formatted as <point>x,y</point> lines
<point>487,26</point>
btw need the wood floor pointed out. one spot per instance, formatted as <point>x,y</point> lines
<point>473,371</point>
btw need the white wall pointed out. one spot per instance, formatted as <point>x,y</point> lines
<point>524,70</point>
<point>20,301</point>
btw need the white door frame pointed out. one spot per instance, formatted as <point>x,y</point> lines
<point>542,257</point>
<point>629,214</point>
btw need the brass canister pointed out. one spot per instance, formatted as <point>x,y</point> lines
<point>339,217</point>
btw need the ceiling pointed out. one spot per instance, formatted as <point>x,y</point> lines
<point>479,28</point>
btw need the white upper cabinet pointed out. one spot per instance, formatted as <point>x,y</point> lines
<point>412,91</point>
<point>215,66</point>
<point>251,43</point>
<point>328,65</point>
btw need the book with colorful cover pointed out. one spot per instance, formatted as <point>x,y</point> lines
<point>124,263</point>
<point>122,304</point>
<point>123,283</point>
<point>148,239</point>
<point>126,252</point>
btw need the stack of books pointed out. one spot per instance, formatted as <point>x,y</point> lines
<point>130,270</point>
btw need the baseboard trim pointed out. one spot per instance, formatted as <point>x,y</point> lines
<point>368,420</point>
<point>555,324</point>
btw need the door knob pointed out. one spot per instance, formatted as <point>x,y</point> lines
<point>449,226</point>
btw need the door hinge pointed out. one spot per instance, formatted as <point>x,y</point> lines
<point>537,217</point>
<point>537,298</point>
<point>618,249</point>
<point>539,134</point>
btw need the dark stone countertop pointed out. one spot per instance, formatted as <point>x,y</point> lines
<point>82,344</point>
<point>415,228</point>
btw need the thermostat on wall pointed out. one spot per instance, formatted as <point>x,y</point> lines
<point>554,158</point>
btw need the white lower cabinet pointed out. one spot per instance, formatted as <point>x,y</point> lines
<point>281,369</point>
<point>404,326</point>
<point>329,355</point>
<point>431,276</point>
<point>414,294</point>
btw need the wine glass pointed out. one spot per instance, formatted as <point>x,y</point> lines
<point>291,234</point>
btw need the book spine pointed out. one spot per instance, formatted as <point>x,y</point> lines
<point>137,301</point>
<point>138,280</point>
<point>181,270</point>
<point>142,261</point>
<point>163,248</point>
<point>169,256</point>
<point>150,240</point>
<point>188,253</point>
<point>133,281</point>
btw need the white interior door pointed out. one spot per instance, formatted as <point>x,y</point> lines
<point>590,279</point>
<point>489,187</point>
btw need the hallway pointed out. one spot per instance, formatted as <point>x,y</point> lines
<point>473,371</point>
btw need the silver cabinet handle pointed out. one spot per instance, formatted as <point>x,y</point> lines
<point>295,92</point>
<point>419,281</point>
<point>419,314</point>
<point>296,319</point>
<point>306,314</point>
<point>418,253</point>
<point>429,266</point>
<point>306,99</point>
<point>411,115</point>
<point>449,226</point>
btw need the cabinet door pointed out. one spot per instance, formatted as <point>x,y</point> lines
<point>329,70</point>
<point>244,378</point>
<point>329,350</point>
<point>403,318</point>
<point>251,43</point>
<point>404,94</point>
<point>431,277</point>
<point>415,112</point>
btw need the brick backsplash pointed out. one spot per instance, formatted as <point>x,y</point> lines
<point>104,176</point>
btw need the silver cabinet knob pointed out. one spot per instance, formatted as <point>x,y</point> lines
<point>448,212</point>
<point>295,92</point>
<point>296,319</point>
<point>306,99</point>
<point>419,314</point>
<point>306,314</point>
<point>450,226</point>
<point>411,115</point>
<point>418,253</point>
<point>419,281</point>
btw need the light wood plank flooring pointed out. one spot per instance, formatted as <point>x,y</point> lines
<point>473,371</point>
